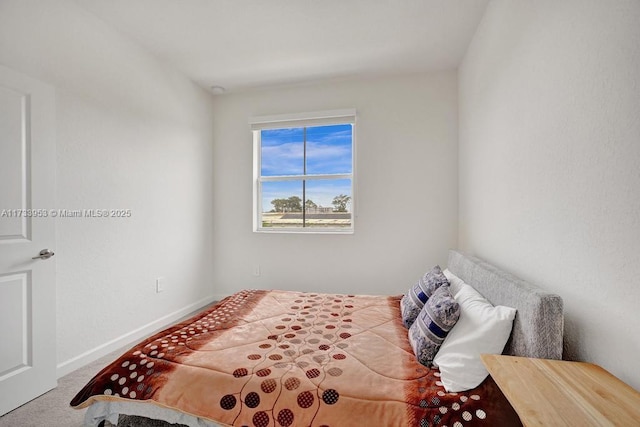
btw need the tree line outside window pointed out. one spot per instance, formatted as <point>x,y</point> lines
<point>294,204</point>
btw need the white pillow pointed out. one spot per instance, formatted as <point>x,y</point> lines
<point>482,328</point>
<point>455,283</point>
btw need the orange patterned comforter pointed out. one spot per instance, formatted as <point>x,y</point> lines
<point>276,358</point>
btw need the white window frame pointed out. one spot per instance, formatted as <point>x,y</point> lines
<point>318,118</point>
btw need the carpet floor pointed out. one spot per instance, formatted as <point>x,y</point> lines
<point>52,408</point>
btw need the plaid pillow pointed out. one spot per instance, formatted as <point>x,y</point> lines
<point>434,322</point>
<point>413,301</point>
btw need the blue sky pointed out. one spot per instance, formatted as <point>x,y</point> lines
<point>329,150</point>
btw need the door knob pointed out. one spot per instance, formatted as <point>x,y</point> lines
<point>44,254</point>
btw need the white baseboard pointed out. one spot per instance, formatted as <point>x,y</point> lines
<point>132,337</point>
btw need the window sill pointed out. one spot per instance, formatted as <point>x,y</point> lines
<point>303,231</point>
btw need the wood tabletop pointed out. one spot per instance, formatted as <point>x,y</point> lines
<point>560,393</point>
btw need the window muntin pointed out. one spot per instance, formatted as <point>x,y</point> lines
<point>304,165</point>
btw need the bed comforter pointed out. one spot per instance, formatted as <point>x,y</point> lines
<point>277,358</point>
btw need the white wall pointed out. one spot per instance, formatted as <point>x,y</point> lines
<point>406,188</point>
<point>131,134</point>
<point>549,162</point>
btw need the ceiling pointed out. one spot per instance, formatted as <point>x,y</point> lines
<point>242,44</point>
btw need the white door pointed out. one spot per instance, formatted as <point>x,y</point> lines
<point>27,286</point>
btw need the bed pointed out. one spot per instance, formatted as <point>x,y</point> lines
<point>279,358</point>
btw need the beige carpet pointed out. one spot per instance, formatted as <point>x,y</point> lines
<point>52,409</point>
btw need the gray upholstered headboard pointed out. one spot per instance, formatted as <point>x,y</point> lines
<point>538,326</point>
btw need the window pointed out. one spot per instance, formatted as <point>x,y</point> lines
<point>303,172</point>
